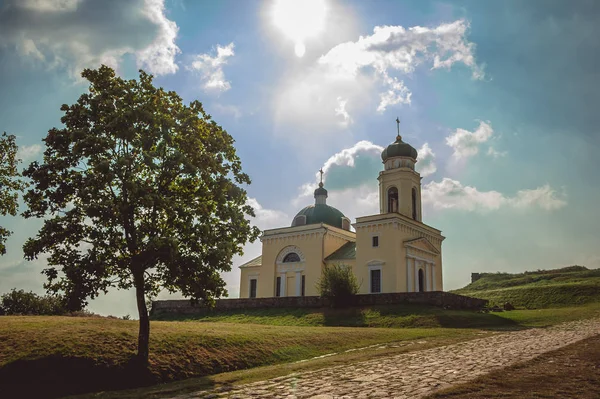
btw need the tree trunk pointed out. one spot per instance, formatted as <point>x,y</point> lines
<point>144,332</point>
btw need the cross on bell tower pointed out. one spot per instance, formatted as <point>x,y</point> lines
<point>398,137</point>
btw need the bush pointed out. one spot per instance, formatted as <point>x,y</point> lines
<point>28,303</point>
<point>338,284</point>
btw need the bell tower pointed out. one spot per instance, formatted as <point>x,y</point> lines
<point>399,183</point>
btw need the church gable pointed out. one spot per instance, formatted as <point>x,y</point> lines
<point>422,244</point>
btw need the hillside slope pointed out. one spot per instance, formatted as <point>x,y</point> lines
<point>568,286</point>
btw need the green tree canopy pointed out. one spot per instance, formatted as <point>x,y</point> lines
<point>137,190</point>
<point>338,283</point>
<point>10,184</point>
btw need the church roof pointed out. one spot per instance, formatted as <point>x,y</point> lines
<point>254,262</point>
<point>346,251</point>
<point>399,149</point>
<point>322,213</point>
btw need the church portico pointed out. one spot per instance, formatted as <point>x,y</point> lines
<point>393,251</point>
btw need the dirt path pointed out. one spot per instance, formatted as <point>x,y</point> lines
<point>415,374</point>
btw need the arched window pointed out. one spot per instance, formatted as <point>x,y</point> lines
<point>291,257</point>
<point>414,203</point>
<point>421,281</point>
<point>392,199</point>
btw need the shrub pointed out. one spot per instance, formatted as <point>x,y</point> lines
<point>338,284</point>
<point>28,303</point>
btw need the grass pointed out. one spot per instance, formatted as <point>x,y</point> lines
<point>570,372</point>
<point>405,316</point>
<point>71,355</point>
<point>68,355</point>
<point>574,285</point>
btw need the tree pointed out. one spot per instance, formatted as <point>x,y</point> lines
<point>338,283</point>
<point>28,303</point>
<point>137,190</point>
<point>10,184</point>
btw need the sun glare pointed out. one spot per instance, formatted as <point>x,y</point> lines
<point>299,20</point>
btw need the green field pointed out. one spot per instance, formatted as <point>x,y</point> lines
<point>71,355</point>
<point>574,285</point>
<point>60,355</point>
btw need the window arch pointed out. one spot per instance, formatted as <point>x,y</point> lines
<point>392,196</point>
<point>291,258</point>
<point>414,203</point>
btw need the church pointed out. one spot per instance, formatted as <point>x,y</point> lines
<point>392,251</point>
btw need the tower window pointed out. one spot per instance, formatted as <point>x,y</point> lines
<point>253,288</point>
<point>375,240</point>
<point>414,203</point>
<point>392,199</point>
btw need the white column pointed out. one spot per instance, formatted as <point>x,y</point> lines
<point>428,276</point>
<point>434,288</point>
<point>410,268</point>
<point>298,283</point>
<point>283,284</point>
<point>416,264</point>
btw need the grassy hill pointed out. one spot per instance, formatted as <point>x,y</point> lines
<point>568,286</point>
<point>67,355</point>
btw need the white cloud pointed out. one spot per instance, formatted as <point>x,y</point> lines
<point>51,5</point>
<point>211,68</point>
<point>397,93</point>
<point>496,154</point>
<point>465,143</point>
<point>159,56</point>
<point>350,178</point>
<point>341,111</point>
<point>268,218</point>
<point>395,48</point>
<point>545,197</point>
<point>367,73</point>
<point>426,161</point>
<point>29,152</point>
<point>78,34</point>
<point>451,194</point>
<point>225,109</point>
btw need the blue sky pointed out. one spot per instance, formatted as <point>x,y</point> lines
<point>499,97</point>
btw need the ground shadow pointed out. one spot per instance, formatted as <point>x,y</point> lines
<point>57,376</point>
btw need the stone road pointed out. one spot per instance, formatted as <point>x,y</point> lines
<point>414,374</point>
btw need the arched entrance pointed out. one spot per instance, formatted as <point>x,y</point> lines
<point>421,281</point>
<point>289,278</point>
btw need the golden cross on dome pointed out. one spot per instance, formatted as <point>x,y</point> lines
<point>398,125</point>
<point>321,172</point>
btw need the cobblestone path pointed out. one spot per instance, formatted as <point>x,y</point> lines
<point>414,374</point>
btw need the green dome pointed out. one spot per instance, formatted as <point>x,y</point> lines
<point>398,149</point>
<point>321,213</point>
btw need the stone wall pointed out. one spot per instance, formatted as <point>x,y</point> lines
<point>436,298</point>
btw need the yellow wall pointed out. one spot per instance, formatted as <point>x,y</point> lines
<point>393,231</point>
<point>312,242</point>
<point>246,272</point>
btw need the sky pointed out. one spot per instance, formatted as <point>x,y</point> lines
<point>499,98</point>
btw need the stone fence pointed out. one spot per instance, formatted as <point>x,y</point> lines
<point>434,298</point>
